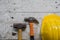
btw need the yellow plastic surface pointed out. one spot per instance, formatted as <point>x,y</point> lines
<point>50,29</point>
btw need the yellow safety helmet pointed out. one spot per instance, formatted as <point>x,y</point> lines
<point>50,29</point>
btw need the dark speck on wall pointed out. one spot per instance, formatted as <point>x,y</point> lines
<point>12,17</point>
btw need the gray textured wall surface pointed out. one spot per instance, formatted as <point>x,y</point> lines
<point>20,9</point>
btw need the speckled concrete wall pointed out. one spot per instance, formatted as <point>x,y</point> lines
<point>20,9</point>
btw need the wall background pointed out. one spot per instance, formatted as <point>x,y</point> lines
<point>19,9</point>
